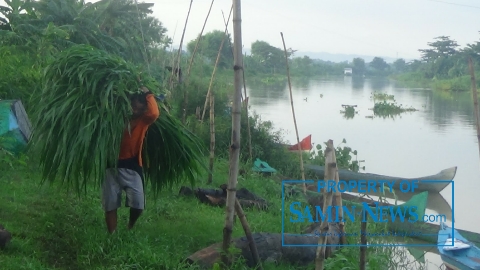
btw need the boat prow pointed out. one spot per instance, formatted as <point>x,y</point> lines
<point>456,251</point>
<point>432,183</point>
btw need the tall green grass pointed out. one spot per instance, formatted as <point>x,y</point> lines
<point>80,116</point>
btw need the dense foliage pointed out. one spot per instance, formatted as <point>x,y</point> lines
<point>79,122</point>
<point>74,63</point>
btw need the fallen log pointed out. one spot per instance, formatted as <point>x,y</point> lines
<point>217,197</point>
<point>270,249</point>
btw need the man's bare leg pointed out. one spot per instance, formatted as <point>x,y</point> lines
<point>111,220</point>
<point>134,215</point>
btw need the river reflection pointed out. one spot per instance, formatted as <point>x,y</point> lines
<point>440,135</point>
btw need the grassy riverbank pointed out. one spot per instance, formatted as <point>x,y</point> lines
<point>416,80</point>
<point>56,230</point>
<point>53,229</point>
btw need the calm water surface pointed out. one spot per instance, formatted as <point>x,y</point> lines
<point>440,135</point>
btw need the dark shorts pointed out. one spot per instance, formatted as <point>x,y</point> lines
<point>118,180</point>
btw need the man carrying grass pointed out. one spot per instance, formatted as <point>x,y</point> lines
<point>129,175</point>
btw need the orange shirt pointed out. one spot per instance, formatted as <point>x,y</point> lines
<point>132,142</point>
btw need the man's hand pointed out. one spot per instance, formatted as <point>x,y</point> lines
<point>144,89</point>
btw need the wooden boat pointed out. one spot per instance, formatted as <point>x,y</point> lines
<point>436,202</point>
<point>306,145</point>
<point>428,231</point>
<point>346,175</point>
<point>457,252</point>
<point>418,200</point>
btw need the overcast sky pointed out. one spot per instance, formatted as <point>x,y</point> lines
<point>367,27</point>
<point>392,28</point>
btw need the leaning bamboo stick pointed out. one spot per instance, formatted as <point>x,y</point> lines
<point>172,60</point>
<point>475,100</point>
<point>198,41</point>
<point>250,152</point>
<point>235,143</point>
<point>219,54</point>
<point>248,233</point>
<point>338,197</point>
<point>246,103</point>
<point>212,136</point>
<point>176,67</point>
<point>330,165</point>
<point>185,91</point>
<point>294,119</point>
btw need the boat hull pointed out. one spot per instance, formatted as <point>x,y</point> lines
<point>465,258</point>
<point>428,231</point>
<point>346,175</point>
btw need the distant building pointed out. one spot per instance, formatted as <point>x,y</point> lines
<point>347,71</point>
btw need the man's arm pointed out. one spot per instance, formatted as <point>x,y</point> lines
<point>152,112</point>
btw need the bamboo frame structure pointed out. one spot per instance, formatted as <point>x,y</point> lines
<point>198,41</point>
<point>338,197</point>
<point>212,137</point>
<point>176,66</point>
<point>143,39</point>
<point>185,92</point>
<point>294,119</point>
<point>248,233</point>
<point>475,100</point>
<point>330,172</point>
<point>219,54</point>
<point>250,152</point>
<point>246,105</point>
<point>235,144</point>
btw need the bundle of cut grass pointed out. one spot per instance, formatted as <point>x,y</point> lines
<point>80,116</point>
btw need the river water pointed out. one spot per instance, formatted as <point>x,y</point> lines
<point>440,135</point>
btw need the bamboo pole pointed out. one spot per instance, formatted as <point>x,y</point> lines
<point>250,152</point>
<point>177,62</point>
<point>235,143</point>
<point>363,242</point>
<point>219,54</point>
<point>246,104</point>
<point>198,40</point>
<point>330,171</point>
<point>248,118</point>
<point>294,119</point>
<point>475,100</point>
<point>212,136</point>
<point>185,92</point>
<point>248,233</point>
<point>338,197</point>
<point>172,61</point>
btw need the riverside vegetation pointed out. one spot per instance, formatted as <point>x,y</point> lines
<point>55,228</point>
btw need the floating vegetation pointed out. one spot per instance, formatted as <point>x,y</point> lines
<point>389,109</point>
<point>272,80</point>
<point>382,96</point>
<point>349,111</point>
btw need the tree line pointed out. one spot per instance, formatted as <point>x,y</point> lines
<point>33,32</point>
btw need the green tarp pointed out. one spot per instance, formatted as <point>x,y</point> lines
<point>262,166</point>
<point>15,127</point>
